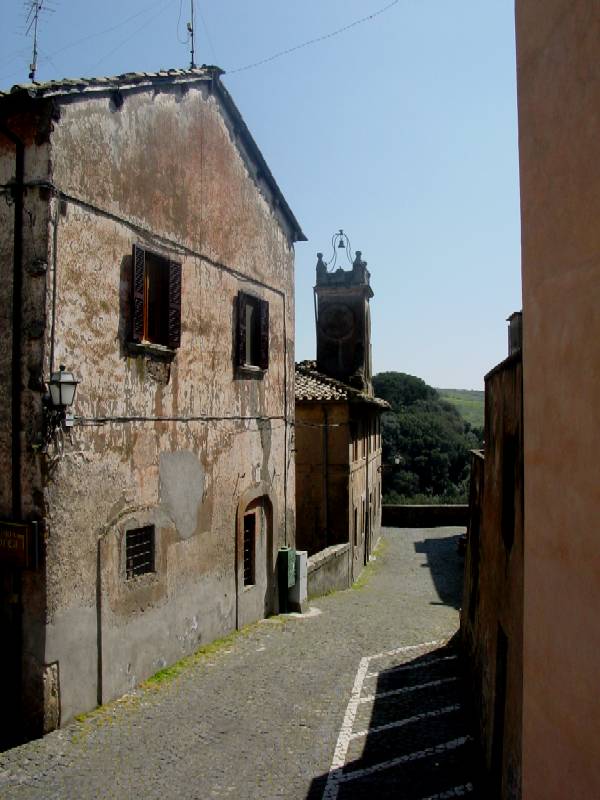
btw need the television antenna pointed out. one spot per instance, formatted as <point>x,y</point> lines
<point>33,10</point>
<point>190,28</point>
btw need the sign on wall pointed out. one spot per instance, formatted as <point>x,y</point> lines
<point>18,544</point>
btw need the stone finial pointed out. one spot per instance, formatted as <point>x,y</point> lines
<point>321,266</point>
<point>359,268</point>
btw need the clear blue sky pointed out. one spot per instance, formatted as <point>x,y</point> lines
<point>402,131</point>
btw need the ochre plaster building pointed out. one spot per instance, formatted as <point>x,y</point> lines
<point>558,79</point>
<point>145,245</point>
<point>338,437</point>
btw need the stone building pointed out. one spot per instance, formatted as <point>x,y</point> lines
<point>338,438</point>
<point>492,608</point>
<point>558,83</point>
<point>144,244</point>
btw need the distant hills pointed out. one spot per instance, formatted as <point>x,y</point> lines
<point>469,403</point>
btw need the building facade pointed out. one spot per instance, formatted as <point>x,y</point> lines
<point>559,117</point>
<point>338,436</point>
<point>145,245</point>
<point>492,609</point>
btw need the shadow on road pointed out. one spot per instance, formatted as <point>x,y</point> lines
<point>410,738</point>
<point>446,565</point>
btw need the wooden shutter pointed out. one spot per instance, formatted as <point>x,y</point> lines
<point>241,330</point>
<point>264,335</point>
<point>174,330</point>
<point>138,260</point>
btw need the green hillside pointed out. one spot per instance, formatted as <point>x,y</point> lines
<point>468,402</point>
<point>426,442</point>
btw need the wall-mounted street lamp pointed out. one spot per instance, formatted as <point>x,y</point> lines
<point>62,387</point>
<point>396,462</point>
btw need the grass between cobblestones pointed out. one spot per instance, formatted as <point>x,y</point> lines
<point>213,648</point>
<point>106,713</point>
<point>375,562</point>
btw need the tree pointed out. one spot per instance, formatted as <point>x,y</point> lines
<point>429,437</point>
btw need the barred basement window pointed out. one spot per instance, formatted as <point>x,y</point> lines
<point>139,551</point>
<point>156,299</point>
<point>249,547</point>
<point>252,332</point>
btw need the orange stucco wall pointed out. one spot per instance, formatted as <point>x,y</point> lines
<point>559,124</point>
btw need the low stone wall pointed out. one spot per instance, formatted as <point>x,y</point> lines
<point>329,570</point>
<point>424,516</point>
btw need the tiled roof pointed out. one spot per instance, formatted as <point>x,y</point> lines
<point>314,386</point>
<point>69,88</point>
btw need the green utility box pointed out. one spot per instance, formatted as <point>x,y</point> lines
<point>286,568</point>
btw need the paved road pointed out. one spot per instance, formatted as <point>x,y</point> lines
<point>358,698</point>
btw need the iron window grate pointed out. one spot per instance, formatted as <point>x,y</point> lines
<point>139,551</point>
<point>249,548</point>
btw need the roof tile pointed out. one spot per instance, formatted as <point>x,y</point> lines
<point>312,385</point>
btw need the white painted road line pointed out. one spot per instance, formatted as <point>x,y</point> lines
<point>409,649</point>
<point>436,750</point>
<point>341,748</point>
<point>336,774</point>
<point>401,722</point>
<point>406,689</point>
<point>403,667</point>
<point>451,794</point>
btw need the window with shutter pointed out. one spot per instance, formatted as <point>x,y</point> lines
<point>156,299</point>
<point>252,332</point>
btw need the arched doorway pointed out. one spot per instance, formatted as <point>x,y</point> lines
<point>255,558</point>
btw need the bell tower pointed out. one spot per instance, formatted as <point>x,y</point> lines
<point>343,318</point>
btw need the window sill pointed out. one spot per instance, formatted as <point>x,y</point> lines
<point>250,370</point>
<point>157,351</point>
<point>137,581</point>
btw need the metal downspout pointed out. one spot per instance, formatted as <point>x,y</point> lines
<point>326,474</point>
<point>17,320</point>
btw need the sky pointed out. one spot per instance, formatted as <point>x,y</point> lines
<point>402,130</point>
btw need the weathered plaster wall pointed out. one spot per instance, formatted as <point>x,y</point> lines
<point>559,119</point>
<point>326,498</point>
<point>365,491</point>
<point>493,587</point>
<point>422,516</point>
<point>329,570</point>
<point>322,475</point>
<point>163,171</point>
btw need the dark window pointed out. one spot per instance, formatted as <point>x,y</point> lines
<point>156,302</point>
<point>249,547</point>
<point>252,332</point>
<point>139,551</point>
<point>354,438</point>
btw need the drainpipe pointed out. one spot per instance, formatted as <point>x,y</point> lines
<point>17,310</point>
<point>368,532</point>
<point>326,474</point>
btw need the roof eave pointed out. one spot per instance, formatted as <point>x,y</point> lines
<point>137,80</point>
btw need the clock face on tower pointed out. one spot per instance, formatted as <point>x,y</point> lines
<point>336,321</point>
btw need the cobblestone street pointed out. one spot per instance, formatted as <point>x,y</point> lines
<point>360,697</point>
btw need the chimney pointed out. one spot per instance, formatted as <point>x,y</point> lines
<point>515,332</point>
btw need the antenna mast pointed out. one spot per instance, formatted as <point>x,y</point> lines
<point>190,27</point>
<point>34,10</point>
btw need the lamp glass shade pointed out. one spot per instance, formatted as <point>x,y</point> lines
<point>62,386</point>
